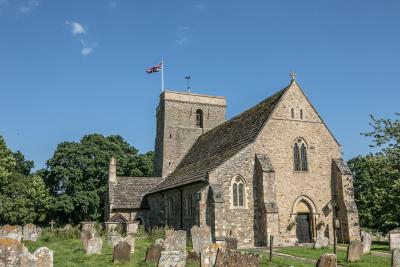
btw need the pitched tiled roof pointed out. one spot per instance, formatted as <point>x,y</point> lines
<point>129,191</point>
<point>219,144</point>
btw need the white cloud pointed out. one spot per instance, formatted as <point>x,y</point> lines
<point>29,6</point>
<point>76,27</point>
<point>182,41</point>
<point>86,51</point>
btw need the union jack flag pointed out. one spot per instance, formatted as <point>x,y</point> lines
<point>155,68</point>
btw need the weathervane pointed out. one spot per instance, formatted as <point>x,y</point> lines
<point>293,75</point>
<point>188,82</point>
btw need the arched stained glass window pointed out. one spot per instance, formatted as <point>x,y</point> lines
<point>238,192</point>
<point>300,155</point>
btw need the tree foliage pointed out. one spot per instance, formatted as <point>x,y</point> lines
<point>377,177</point>
<point>78,171</point>
<point>24,198</point>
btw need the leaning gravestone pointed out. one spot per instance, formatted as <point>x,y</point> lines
<point>201,236</point>
<point>11,251</point>
<point>366,239</point>
<point>208,254</point>
<point>122,252</point>
<point>327,260</point>
<point>94,246</point>
<point>153,253</point>
<point>354,251</point>
<point>394,239</point>
<point>396,257</point>
<point>31,232</point>
<point>11,231</point>
<point>231,243</point>
<point>235,258</point>
<point>321,242</point>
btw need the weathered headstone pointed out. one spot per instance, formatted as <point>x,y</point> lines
<point>43,257</point>
<point>87,225</point>
<point>86,235</point>
<point>327,260</point>
<point>31,232</point>
<point>160,241</point>
<point>396,257</point>
<point>11,231</point>
<point>321,242</point>
<point>234,258</point>
<point>153,253</point>
<point>175,240</point>
<point>11,251</point>
<point>67,227</point>
<point>201,237</point>
<point>394,239</point>
<point>366,239</point>
<point>354,251</point>
<point>208,254</point>
<point>172,259</point>
<point>94,246</point>
<point>122,252</point>
<point>113,238</point>
<point>231,243</point>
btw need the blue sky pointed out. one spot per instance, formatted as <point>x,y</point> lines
<point>70,68</point>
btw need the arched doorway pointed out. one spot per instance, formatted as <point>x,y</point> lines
<point>304,212</point>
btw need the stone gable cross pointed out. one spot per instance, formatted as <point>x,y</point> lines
<point>293,75</point>
<point>52,223</point>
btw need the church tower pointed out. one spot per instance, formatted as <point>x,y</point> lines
<point>181,118</point>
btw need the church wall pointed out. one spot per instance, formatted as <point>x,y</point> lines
<point>276,140</point>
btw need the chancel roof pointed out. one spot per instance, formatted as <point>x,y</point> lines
<point>219,144</point>
<point>129,191</point>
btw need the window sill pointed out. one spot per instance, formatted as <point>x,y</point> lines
<point>238,208</point>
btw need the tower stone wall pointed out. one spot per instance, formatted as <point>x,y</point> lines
<point>177,125</point>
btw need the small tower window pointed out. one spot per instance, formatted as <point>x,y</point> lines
<point>300,156</point>
<point>292,113</point>
<point>199,118</point>
<point>301,114</point>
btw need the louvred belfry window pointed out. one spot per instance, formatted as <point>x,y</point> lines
<point>199,118</point>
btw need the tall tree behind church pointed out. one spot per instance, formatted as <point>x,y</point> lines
<point>377,177</point>
<point>77,174</point>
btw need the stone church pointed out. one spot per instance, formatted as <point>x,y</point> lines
<point>275,169</point>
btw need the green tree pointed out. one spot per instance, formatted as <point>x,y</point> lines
<point>78,171</point>
<point>7,162</point>
<point>377,177</point>
<point>22,166</point>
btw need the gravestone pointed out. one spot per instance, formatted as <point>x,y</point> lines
<point>122,252</point>
<point>11,251</point>
<point>235,258</point>
<point>321,242</point>
<point>160,241</point>
<point>94,246</point>
<point>396,257</point>
<point>172,259</point>
<point>86,235</point>
<point>153,253</point>
<point>31,232</point>
<point>394,239</point>
<point>175,240</point>
<point>87,225</point>
<point>366,239</point>
<point>201,236</point>
<point>42,257</point>
<point>113,238</point>
<point>67,227</point>
<point>208,254</point>
<point>231,243</point>
<point>354,251</point>
<point>327,260</point>
<point>11,231</point>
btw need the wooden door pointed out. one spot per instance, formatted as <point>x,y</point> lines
<point>303,228</point>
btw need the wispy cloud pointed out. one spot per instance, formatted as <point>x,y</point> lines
<point>182,41</point>
<point>112,5</point>
<point>200,6</point>
<point>79,31</point>
<point>28,6</point>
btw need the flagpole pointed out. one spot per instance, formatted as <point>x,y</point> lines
<point>162,75</point>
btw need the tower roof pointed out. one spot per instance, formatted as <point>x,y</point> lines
<point>221,143</point>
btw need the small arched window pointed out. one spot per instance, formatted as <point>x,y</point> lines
<point>301,114</point>
<point>238,192</point>
<point>292,113</point>
<point>300,156</point>
<point>199,118</point>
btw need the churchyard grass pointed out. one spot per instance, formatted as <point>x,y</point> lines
<point>380,246</point>
<point>309,253</point>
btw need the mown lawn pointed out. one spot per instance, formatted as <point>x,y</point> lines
<point>309,253</point>
<point>380,246</point>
